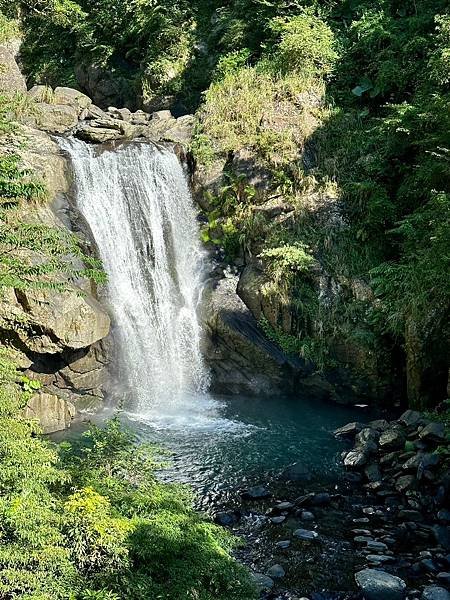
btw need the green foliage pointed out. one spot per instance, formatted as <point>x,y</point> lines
<point>93,522</point>
<point>33,255</point>
<point>9,28</point>
<point>306,46</point>
<point>416,286</point>
<point>284,264</point>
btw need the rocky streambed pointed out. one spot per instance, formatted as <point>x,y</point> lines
<point>381,533</point>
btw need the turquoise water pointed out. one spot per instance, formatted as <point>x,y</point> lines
<point>223,444</point>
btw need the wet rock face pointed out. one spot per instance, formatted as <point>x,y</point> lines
<point>241,359</point>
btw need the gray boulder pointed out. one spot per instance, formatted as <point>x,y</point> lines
<point>434,592</point>
<point>434,432</point>
<point>379,585</point>
<point>348,431</point>
<point>411,418</point>
<point>256,492</point>
<point>355,458</point>
<point>392,439</point>
<point>71,97</point>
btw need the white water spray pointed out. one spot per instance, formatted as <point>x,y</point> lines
<point>137,203</point>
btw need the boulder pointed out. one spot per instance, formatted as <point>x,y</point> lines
<point>181,132</point>
<point>40,93</point>
<point>433,432</point>
<point>262,582</point>
<point>54,320</point>
<point>434,592</point>
<point>52,412</point>
<point>405,483</point>
<point>227,518</point>
<point>92,132</point>
<point>366,435</point>
<point>379,585</point>
<point>348,431</point>
<point>379,424</point>
<point>411,418</point>
<point>256,492</point>
<point>391,439</point>
<point>11,79</point>
<point>55,118</point>
<point>241,359</point>
<point>355,459</point>
<point>71,97</point>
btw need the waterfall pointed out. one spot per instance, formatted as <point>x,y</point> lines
<point>136,201</point>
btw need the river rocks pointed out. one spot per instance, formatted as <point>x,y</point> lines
<point>379,585</point>
<point>306,535</point>
<point>262,582</point>
<point>256,492</point>
<point>348,431</point>
<point>227,518</point>
<point>296,472</point>
<point>355,458</point>
<point>53,413</point>
<point>434,592</point>
<point>392,439</point>
<point>405,483</point>
<point>278,520</point>
<point>434,432</point>
<point>11,79</point>
<point>411,418</point>
<point>283,544</point>
<point>276,572</point>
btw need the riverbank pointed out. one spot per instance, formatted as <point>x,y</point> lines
<point>380,532</point>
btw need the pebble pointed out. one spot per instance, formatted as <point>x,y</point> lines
<point>276,572</point>
<point>379,558</point>
<point>256,492</point>
<point>376,546</point>
<point>283,544</point>
<point>262,582</point>
<point>307,516</point>
<point>443,577</point>
<point>305,534</point>
<point>284,506</point>
<point>278,520</point>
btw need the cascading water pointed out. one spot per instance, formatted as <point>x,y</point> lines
<point>136,201</point>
